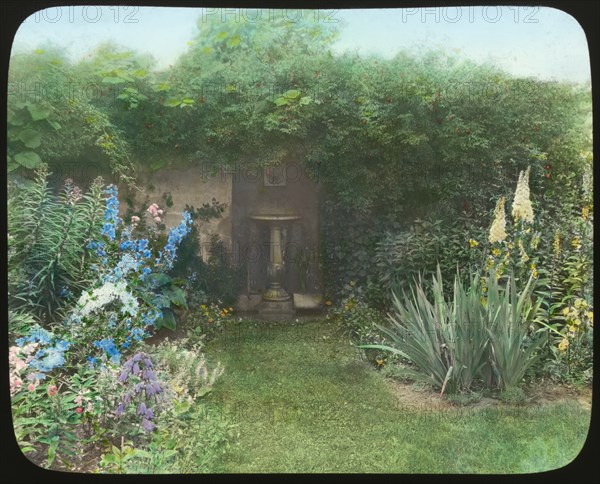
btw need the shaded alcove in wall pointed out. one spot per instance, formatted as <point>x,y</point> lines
<point>282,190</point>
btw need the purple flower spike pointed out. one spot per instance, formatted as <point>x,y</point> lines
<point>137,357</point>
<point>136,369</point>
<point>142,408</point>
<point>123,376</point>
<point>120,409</point>
<point>148,426</point>
<point>149,413</point>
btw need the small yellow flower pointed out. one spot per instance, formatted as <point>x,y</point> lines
<point>572,328</point>
<point>328,303</point>
<point>203,306</point>
<point>565,311</point>
<point>585,212</point>
<point>231,310</point>
<point>473,243</point>
<point>590,316</point>
<point>483,300</point>
<point>576,243</point>
<point>563,345</point>
<point>224,311</point>
<point>578,303</point>
<point>496,252</point>
<point>511,245</point>
<point>577,321</point>
<point>211,320</point>
<point>380,362</point>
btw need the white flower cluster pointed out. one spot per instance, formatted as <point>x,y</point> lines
<point>106,294</point>
<point>522,209</point>
<point>498,229</point>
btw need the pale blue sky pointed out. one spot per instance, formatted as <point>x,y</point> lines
<point>526,41</point>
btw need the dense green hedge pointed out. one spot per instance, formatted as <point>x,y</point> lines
<point>428,136</point>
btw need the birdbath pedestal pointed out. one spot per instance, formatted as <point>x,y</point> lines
<point>276,302</point>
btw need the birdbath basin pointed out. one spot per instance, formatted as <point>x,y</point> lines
<point>275,218</point>
<point>275,269</point>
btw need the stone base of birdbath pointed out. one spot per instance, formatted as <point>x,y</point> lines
<point>276,310</point>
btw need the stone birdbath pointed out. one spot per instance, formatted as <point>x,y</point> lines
<point>277,303</point>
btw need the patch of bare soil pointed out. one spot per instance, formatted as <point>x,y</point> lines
<point>423,397</point>
<point>548,392</point>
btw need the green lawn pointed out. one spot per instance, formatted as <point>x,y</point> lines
<point>304,401</point>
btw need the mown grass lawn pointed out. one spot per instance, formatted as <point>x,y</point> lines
<point>304,401</point>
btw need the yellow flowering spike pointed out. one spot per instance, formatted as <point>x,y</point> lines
<point>498,229</point>
<point>576,243</point>
<point>563,345</point>
<point>521,208</point>
<point>556,243</point>
<point>585,212</point>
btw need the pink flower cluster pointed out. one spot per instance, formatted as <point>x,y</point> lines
<point>18,360</point>
<point>155,212</point>
<point>80,399</point>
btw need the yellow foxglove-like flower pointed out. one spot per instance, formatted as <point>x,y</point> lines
<point>498,229</point>
<point>563,345</point>
<point>522,209</point>
<point>556,243</point>
<point>496,252</point>
<point>585,212</point>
